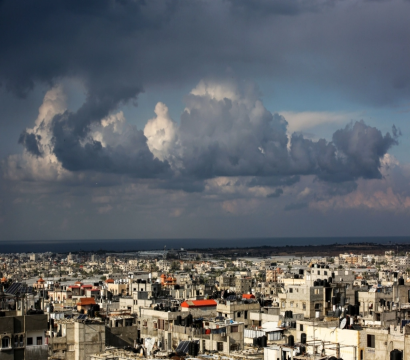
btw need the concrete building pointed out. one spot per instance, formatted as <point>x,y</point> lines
<point>22,337</point>
<point>238,310</point>
<point>304,299</point>
<point>76,339</point>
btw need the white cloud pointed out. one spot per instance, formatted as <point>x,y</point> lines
<point>161,132</point>
<point>46,167</point>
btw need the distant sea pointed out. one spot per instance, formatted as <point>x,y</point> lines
<point>129,245</point>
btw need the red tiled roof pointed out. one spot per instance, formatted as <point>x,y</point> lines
<point>248,296</point>
<point>109,281</point>
<point>198,303</point>
<point>86,301</point>
<point>87,286</point>
<point>74,286</point>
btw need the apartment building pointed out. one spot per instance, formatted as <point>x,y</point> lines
<point>22,337</point>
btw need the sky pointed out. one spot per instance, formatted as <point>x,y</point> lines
<point>204,119</point>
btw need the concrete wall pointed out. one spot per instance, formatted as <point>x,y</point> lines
<point>121,336</point>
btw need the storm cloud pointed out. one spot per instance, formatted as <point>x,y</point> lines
<point>229,151</point>
<point>225,131</point>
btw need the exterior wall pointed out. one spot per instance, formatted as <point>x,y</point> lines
<point>27,326</point>
<point>171,338</point>
<point>78,340</point>
<point>238,311</point>
<point>350,339</point>
<point>303,299</point>
<point>121,336</point>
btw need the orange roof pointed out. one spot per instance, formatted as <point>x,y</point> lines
<point>3,279</point>
<point>198,303</point>
<point>78,283</point>
<point>86,301</point>
<point>40,280</point>
<point>248,296</point>
<point>163,276</point>
<point>109,281</point>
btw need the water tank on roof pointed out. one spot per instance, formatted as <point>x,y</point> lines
<point>396,355</point>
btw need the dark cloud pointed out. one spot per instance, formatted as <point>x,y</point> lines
<point>116,47</point>
<point>29,141</point>
<point>131,157</point>
<point>275,194</point>
<point>220,136</point>
<point>273,181</point>
<point>361,149</point>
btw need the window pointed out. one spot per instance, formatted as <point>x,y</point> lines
<point>304,306</point>
<point>325,272</point>
<point>291,290</point>
<point>220,346</point>
<point>5,342</point>
<point>291,304</point>
<point>39,340</point>
<point>371,341</point>
<point>246,314</point>
<point>234,328</point>
<point>29,341</point>
<point>239,314</point>
<point>317,306</point>
<point>283,304</point>
<point>301,327</point>
<point>318,272</point>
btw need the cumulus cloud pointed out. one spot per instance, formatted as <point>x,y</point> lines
<point>161,133</point>
<point>225,131</point>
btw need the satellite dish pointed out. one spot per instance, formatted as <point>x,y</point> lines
<point>343,323</point>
